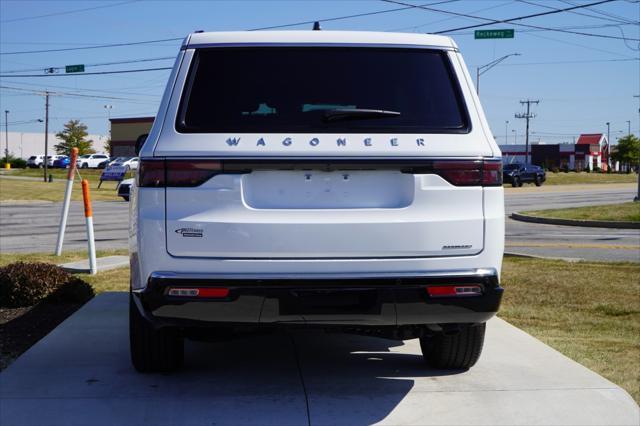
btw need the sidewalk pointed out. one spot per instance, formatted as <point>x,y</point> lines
<point>80,374</point>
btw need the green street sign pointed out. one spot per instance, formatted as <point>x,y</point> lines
<point>74,68</point>
<point>485,34</point>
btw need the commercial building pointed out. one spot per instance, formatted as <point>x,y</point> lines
<point>591,151</point>
<point>26,144</point>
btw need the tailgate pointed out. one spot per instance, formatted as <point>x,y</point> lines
<point>312,210</point>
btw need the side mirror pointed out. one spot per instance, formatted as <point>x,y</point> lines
<point>140,143</point>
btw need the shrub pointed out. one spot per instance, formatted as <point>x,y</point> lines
<point>73,291</point>
<point>25,284</point>
<point>16,163</point>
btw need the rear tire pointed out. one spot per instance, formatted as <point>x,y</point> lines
<point>153,350</point>
<point>457,351</point>
<point>85,166</point>
<point>538,182</point>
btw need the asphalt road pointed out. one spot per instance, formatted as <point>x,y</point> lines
<point>32,226</point>
<point>81,374</point>
<point>570,241</point>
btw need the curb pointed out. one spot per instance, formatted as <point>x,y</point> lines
<point>574,222</point>
<point>103,264</point>
<point>535,256</point>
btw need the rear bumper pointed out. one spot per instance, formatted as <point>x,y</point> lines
<point>328,301</point>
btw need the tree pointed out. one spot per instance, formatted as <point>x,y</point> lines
<point>107,146</point>
<point>628,150</point>
<point>74,135</point>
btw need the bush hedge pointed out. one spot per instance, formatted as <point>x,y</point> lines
<point>16,163</point>
<point>25,284</point>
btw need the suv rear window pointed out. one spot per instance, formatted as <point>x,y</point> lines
<point>290,89</point>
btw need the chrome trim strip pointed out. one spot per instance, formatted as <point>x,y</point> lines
<point>314,44</point>
<point>481,272</point>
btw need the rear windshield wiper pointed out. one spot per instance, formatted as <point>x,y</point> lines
<point>340,114</point>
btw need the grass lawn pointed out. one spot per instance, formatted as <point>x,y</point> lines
<point>92,175</point>
<point>572,178</point>
<point>13,190</point>
<point>589,311</point>
<point>614,212</point>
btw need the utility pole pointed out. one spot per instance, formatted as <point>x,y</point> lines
<point>637,197</point>
<point>6,135</point>
<point>515,136</point>
<point>46,132</point>
<point>527,116</point>
<point>628,127</point>
<point>608,146</point>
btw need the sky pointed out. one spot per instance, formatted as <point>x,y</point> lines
<point>582,81</point>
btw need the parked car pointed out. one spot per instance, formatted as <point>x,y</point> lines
<point>129,163</point>
<point>35,161</point>
<point>62,162</point>
<point>124,188</point>
<point>517,174</point>
<point>369,202</point>
<point>104,164</point>
<point>52,158</point>
<point>91,161</point>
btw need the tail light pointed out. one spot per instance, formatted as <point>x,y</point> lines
<point>177,173</point>
<point>454,290</point>
<point>191,173</point>
<point>470,172</point>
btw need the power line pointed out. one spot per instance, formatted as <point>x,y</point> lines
<point>85,73</point>
<point>6,21</point>
<point>358,15</point>
<point>101,46</point>
<point>79,95</point>
<point>576,12</point>
<point>82,89</point>
<point>518,18</point>
<point>599,12</point>
<point>133,61</point>
<point>98,46</point>
<point>585,61</point>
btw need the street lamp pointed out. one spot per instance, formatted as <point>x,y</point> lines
<point>515,136</point>
<point>629,127</point>
<point>486,67</point>
<point>506,131</point>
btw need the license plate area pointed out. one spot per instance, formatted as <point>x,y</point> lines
<point>337,189</point>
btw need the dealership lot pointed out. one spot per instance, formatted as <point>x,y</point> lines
<point>80,374</point>
<point>32,226</point>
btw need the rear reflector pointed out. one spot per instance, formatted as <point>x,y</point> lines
<point>204,292</point>
<point>454,290</point>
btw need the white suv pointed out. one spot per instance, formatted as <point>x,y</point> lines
<point>35,161</point>
<point>341,180</point>
<point>91,161</point>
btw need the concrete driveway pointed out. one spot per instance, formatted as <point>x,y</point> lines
<point>80,375</point>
